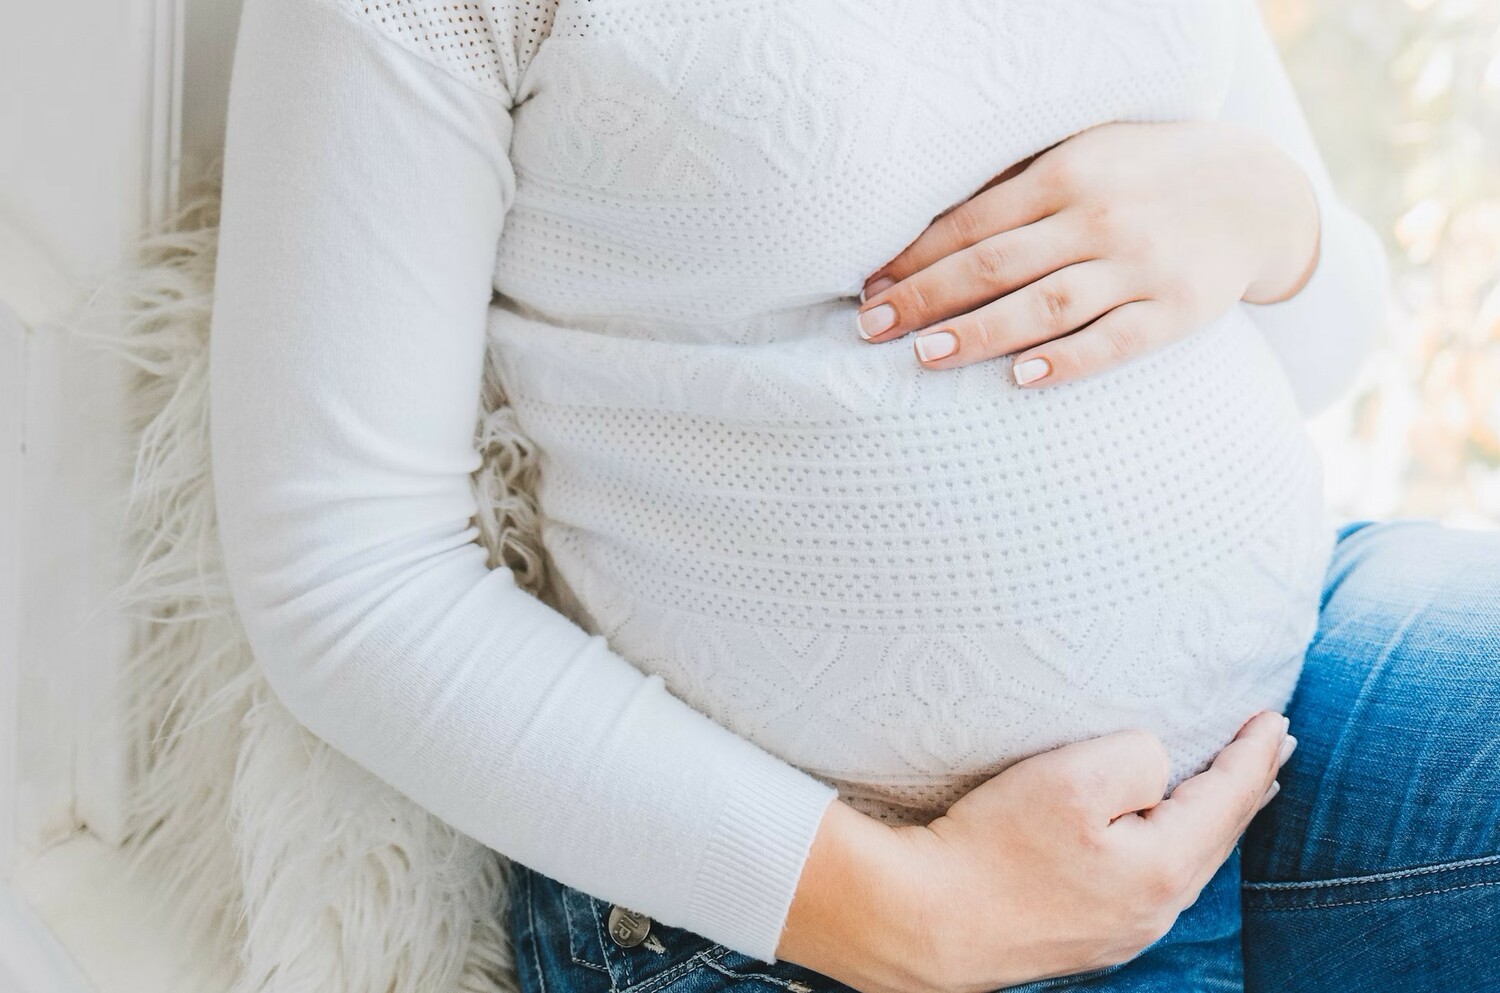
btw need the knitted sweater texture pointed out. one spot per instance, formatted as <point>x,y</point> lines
<point>804,566</point>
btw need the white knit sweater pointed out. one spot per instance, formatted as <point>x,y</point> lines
<point>802,561</point>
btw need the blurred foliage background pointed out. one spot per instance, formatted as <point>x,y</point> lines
<point>1405,98</point>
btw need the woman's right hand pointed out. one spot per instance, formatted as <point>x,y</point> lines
<point>1065,862</point>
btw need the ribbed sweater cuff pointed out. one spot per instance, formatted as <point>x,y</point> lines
<point>755,856</point>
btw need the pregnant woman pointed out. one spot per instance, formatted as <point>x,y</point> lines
<point>930,589</point>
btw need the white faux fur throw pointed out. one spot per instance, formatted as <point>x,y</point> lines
<point>282,855</point>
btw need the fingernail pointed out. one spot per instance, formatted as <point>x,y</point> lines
<point>1275,789</point>
<point>1286,722</point>
<point>935,345</point>
<point>876,288</point>
<point>1288,746</point>
<point>1031,370</point>
<point>876,320</point>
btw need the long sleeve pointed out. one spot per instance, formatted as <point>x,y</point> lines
<point>365,189</point>
<point>1326,330</point>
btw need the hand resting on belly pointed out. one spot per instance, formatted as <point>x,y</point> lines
<point>1095,252</point>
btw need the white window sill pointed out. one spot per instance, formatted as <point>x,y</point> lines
<point>74,922</point>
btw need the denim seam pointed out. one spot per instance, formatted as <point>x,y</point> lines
<point>666,976</point>
<point>598,916</point>
<point>599,932</point>
<point>1383,899</point>
<point>536,949</point>
<point>1379,877</point>
<point>713,963</point>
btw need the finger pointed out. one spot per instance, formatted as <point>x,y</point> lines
<point>1103,777</point>
<point>1128,331</point>
<point>973,276</point>
<point>1011,204</point>
<point>1053,306</point>
<point>1270,795</point>
<point>1010,173</point>
<point>1205,814</point>
<point>1288,746</point>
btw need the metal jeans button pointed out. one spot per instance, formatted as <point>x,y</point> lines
<point>628,928</point>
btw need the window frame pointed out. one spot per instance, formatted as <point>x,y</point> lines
<point>111,85</point>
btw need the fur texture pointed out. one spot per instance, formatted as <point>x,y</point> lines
<point>282,855</point>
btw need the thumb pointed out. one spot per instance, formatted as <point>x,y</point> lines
<point>1205,815</point>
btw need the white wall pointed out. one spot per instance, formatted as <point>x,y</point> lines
<point>104,106</point>
<point>86,92</point>
<point>78,93</point>
<point>209,41</point>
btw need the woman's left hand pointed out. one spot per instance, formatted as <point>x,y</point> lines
<point>1112,243</point>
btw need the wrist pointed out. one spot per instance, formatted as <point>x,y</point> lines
<point>1291,223</point>
<point>858,914</point>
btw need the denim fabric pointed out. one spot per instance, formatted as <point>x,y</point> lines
<point>1376,869</point>
<point>1378,866</point>
<point>561,946</point>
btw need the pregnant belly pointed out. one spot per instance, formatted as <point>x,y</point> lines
<point>903,580</point>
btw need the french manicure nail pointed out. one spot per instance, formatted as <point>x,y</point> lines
<point>876,288</point>
<point>876,320</point>
<point>935,345</point>
<point>1031,370</point>
<point>1275,789</point>
<point>1288,746</point>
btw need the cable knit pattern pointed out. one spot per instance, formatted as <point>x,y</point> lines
<point>790,563</point>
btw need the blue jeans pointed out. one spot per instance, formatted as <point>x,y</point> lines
<point>562,945</point>
<point>1376,869</point>
<point>1378,865</point>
